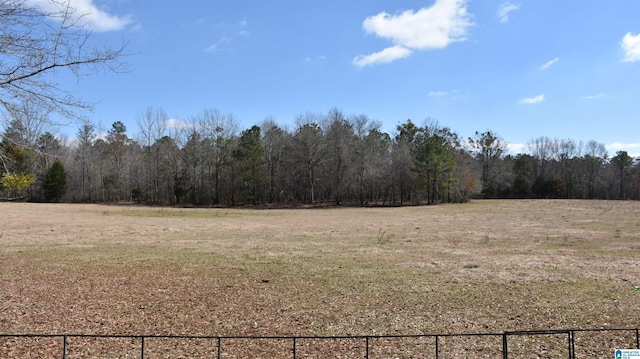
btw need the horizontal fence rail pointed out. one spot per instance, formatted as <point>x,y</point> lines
<point>426,345</point>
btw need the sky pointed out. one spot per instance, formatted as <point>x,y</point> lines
<point>522,69</point>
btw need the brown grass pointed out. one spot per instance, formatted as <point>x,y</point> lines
<point>485,266</point>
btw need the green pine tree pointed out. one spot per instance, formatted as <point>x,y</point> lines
<point>55,182</point>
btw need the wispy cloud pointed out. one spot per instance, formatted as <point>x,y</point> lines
<point>237,30</point>
<point>432,27</point>
<point>631,47</point>
<point>438,93</point>
<point>387,55</point>
<point>88,13</point>
<point>531,100</point>
<point>594,97</point>
<point>315,59</point>
<point>442,93</point>
<point>504,9</point>
<point>243,27</point>
<point>549,63</point>
<point>219,45</point>
<point>175,123</point>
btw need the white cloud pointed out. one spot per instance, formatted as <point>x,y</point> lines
<point>175,123</point>
<point>434,27</point>
<point>516,148</point>
<point>92,17</point>
<point>549,63</point>
<point>504,9</point>
<point>532,100</point>
<point>243,27</point>
<point>631,47</point>
<point>633,149</point>
<point>443,93</point>
<point>315,59</point>
<point>620,146</point>
<point>387,55</point>
<point>216,46</point>
<point>438,93</point>
<point>594,97</point>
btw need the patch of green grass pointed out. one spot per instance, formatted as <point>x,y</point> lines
<point>185,213</point>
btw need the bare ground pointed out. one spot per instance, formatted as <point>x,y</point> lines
<point>485,266</point>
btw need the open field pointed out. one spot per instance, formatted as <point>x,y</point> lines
<point>484,266</point>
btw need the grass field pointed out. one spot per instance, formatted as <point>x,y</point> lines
<point>484,266</point>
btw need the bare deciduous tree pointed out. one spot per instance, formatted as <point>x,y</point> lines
<point>36,43</point>
<point>308,150</point>
<point>488,148</point>
<point>153,126</point>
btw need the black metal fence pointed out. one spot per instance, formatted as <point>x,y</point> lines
<point>569,343</point>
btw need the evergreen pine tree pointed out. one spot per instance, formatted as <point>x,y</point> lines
<point>55,182</point>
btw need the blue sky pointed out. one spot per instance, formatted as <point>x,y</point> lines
<point>520,68</point>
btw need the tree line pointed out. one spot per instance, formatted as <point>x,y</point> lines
<point>331,158</point>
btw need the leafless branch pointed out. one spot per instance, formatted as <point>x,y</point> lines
<point>36,43</point>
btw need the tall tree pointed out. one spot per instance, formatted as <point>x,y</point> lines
<point>488,149</point>
<point>117,144</point>
<point>309,150</point>
<point>275,141</point>
<point>371,160</point>
<point>219,133</point>
<point>48,147</point>
<point>594,159</point>
<point>84,154</point>
<point>402,162</point>
<point>193,157</point>
<point>434,160</point>
<point>622,162</point>
<point>153,126</point>
<point>170,178</point>
<point>55,182</point>
<point>249,155</point>
<point>524,169</point>
<point>340,140</point>
<point>567,151</point>
<point>542,149</point>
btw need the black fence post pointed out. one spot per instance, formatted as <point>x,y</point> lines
<point>64,347</point>
<point>366,351</point>
<point>505,353</point>
<point>142,347</point>
<point>569,344</point>
<point>573,343</point>
<point>437,348</point>
<point>219,348</point>
<point>637,342</point>
<point>294,347</point>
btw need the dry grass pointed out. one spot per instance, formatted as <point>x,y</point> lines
<point>485,266</point>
